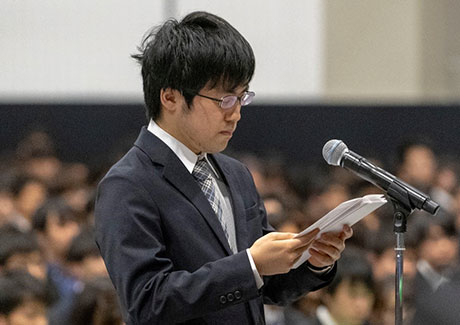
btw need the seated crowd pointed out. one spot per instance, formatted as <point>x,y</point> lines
<point>51,271</point>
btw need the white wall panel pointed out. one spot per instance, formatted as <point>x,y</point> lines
<point>287,41</point>
<point>64,50</point>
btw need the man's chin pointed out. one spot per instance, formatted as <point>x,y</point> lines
<point>218,148</point>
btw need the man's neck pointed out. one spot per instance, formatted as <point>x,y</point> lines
<point>172,131</point>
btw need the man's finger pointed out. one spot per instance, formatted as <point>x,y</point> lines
<point>281,235</point>
<point>320,258</point>
<point>310,235</point>
<point>347,232</point>
<point>305,240</point>
<point>330,250</point>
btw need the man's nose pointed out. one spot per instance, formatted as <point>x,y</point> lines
<point>234,114</point>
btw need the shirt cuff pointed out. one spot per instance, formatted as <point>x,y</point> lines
<point>257,277</point>
<point>319,270</point>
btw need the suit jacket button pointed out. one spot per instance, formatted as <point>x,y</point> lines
<point>223,300</point>
<point>230,297</point>
<point>237,294</point>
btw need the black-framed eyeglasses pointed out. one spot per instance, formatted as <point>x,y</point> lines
<point>229,101</point>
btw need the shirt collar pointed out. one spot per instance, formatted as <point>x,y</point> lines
<point>434,278</point>
<point>185,155</point>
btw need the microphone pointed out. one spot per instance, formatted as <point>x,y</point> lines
<point>336,153</point>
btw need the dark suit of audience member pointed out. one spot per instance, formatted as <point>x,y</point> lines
<point>442,306</point>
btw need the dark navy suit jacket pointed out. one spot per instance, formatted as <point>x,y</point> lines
<point>165,249</point>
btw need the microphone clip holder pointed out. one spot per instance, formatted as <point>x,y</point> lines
<point>402,206</point>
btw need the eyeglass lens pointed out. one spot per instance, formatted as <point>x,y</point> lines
<point>230,101</point>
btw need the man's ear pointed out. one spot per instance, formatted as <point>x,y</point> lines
<point>171,99</point>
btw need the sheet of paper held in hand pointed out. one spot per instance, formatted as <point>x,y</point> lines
<point>349,212</point>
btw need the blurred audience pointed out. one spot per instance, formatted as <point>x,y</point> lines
<point>97,304</point>
<point>23,300</point>
<point>20,251</point>
<point>51,271</point>
<point>349,299</point>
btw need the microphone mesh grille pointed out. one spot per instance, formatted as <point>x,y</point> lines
<point>333,151</point>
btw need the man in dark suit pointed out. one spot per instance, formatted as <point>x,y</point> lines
<point>181,228</point>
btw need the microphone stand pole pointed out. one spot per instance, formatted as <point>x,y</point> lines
<point>401,210</point>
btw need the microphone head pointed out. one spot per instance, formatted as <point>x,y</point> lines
<point>333,151</point>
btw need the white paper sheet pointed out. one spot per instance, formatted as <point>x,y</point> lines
<point>349,212</point>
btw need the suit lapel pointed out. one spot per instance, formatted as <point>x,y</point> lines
<point>179,177</point>
<point>239,216</point>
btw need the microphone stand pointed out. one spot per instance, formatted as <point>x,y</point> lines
<point>399,198</point>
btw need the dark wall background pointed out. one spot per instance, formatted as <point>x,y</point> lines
<point>92,132</point>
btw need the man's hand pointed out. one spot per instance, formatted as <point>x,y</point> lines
<point>277,252</point>
<point>328,247</point>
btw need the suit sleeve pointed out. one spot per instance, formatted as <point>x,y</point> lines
<point>283,289</point>
<point>131,240</point>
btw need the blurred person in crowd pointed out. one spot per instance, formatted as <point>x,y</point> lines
<point>255,166</point>
<point>83,264</point>
<point>275,174</point>
<point>37,155</point>
<point>303,311</point>
<point>417,164</point>
<point>382,257</point>
<point>56,225</point>
<point>8,211</point>
<point>276,211</point>
<point>97,304</point>
<point>72,185</point>
<point>324,200</point>
<point>23,300</point>
<point>182,229</point>
<point>79,197</point>
<point>349,299</point>
<point>439,291</point>
<point>317,191</point>
<point>368,231</point>
<point>438,257</point>
<point>83,258</point>
<point>441,307</point>
<point>20,251</point>
<point>29,194</point>
<point>445,185</point>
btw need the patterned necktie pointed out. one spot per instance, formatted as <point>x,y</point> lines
<point>202,174</point>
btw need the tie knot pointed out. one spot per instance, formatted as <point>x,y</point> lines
<point>201,171</point>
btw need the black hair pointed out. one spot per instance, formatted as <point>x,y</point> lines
<point>308,181</point>
<point>96,304</point>
<point>410,143</point>
<point>83,245</point>
<point>202,49</point>
<point>56,206</point>
<point>18,287</point>
<point>422,222</point>
<point>19,182</point>
<point>13,241</point>
<point>353,266</point>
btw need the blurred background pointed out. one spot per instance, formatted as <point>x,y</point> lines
<point>383,76</point>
